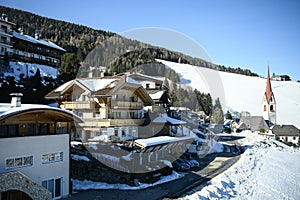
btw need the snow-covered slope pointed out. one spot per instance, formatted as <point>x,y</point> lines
<point>242,93</point>
<point>268,169</point>
<point>29,69</point>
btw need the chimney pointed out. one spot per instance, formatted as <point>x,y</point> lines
<point>37,35</point>
<point>4,17</point>
<point>15,100</point>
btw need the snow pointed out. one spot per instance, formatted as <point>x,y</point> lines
<point>77,157</point>
<point>29,69</point>
<point>159,119</point>
<point>127,157</point>
<point>173,121</point>
<point>157,95</point>
<point>268,169</point>
<point>86,185</point>
<point>98,84</point>
<point>242,93</point>
<point>159,140</point>
<point>92,145</point>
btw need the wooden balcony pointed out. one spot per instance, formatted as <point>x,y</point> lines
<point>126,122</point>
<point>96,122</point>
<point>126,105</point>
<point>112,122</point>
<point>77,105</point>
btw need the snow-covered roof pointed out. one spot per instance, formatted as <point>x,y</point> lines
<point>98,84</point>
<point>7,111</point>
<point>173,121</point>
<point>159,119</point>
<point>33,40</point>
<point>157,95</point>
<point>92,84</point>
<point>159,140</point>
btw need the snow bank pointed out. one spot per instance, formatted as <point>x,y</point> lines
<point>267,170</point>
<point>86,185</point>
<point>77,157</point>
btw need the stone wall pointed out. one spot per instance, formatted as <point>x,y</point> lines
<point>97,172</point>
<point>17,181</point>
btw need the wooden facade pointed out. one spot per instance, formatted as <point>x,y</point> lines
<point>109,106</point>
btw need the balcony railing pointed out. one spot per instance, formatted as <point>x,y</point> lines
<point>126,105</point>
<point>112,122</point>
<point>7,42</point>
<point>126,122</point>
<point>77,105</point>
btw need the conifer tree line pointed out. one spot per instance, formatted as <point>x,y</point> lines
<point>81,40</point>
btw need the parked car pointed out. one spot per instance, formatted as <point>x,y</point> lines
<point>180,165</point>
<point>192,162</point>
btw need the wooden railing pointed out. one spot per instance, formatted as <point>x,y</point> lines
<point>126,105</point>
<point>112,122</point>
<point>77,105</point>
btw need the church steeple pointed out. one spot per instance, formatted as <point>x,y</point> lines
<point>268,91</point>
<point>269,103</point>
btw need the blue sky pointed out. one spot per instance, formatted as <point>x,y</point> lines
<point>237,33</point>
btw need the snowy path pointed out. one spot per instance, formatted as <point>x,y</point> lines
<point>267,170</point>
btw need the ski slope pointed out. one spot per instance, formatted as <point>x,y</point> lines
<point>242,93</point>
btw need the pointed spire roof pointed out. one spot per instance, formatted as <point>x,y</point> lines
<point>268,91</point>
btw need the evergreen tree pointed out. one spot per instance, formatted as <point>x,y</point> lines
<point>228,115</point>
<point>69,66</point>
<point>218,116</point>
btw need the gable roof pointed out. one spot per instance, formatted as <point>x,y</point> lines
<point>286,130</point>
<point>242,126</point>
<point>103,87</point>
<point>255,123</point>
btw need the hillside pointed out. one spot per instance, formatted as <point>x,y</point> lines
<point>81,40</point>
<point>242,93</point>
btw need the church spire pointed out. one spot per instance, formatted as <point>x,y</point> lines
<point>268,91</point>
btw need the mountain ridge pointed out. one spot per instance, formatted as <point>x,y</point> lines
<point>81,40</point>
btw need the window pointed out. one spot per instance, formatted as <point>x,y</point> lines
<point>31,129</point>
<point>43,129</point>
<point>265,108</point>
<point>3,131</point>
<point>96,114</point>
<point>272,108</point>
<point>131,99</point>
<point>54,186</point>
<point>294,138</point>
<point>13,130</point>
<point>123,133</point>
<point>131,115</point>
<point>19,162</point>
<point>52,157</point>
<point>116,132</point>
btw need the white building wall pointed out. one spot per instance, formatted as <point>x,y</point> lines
<point>36,146</point>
